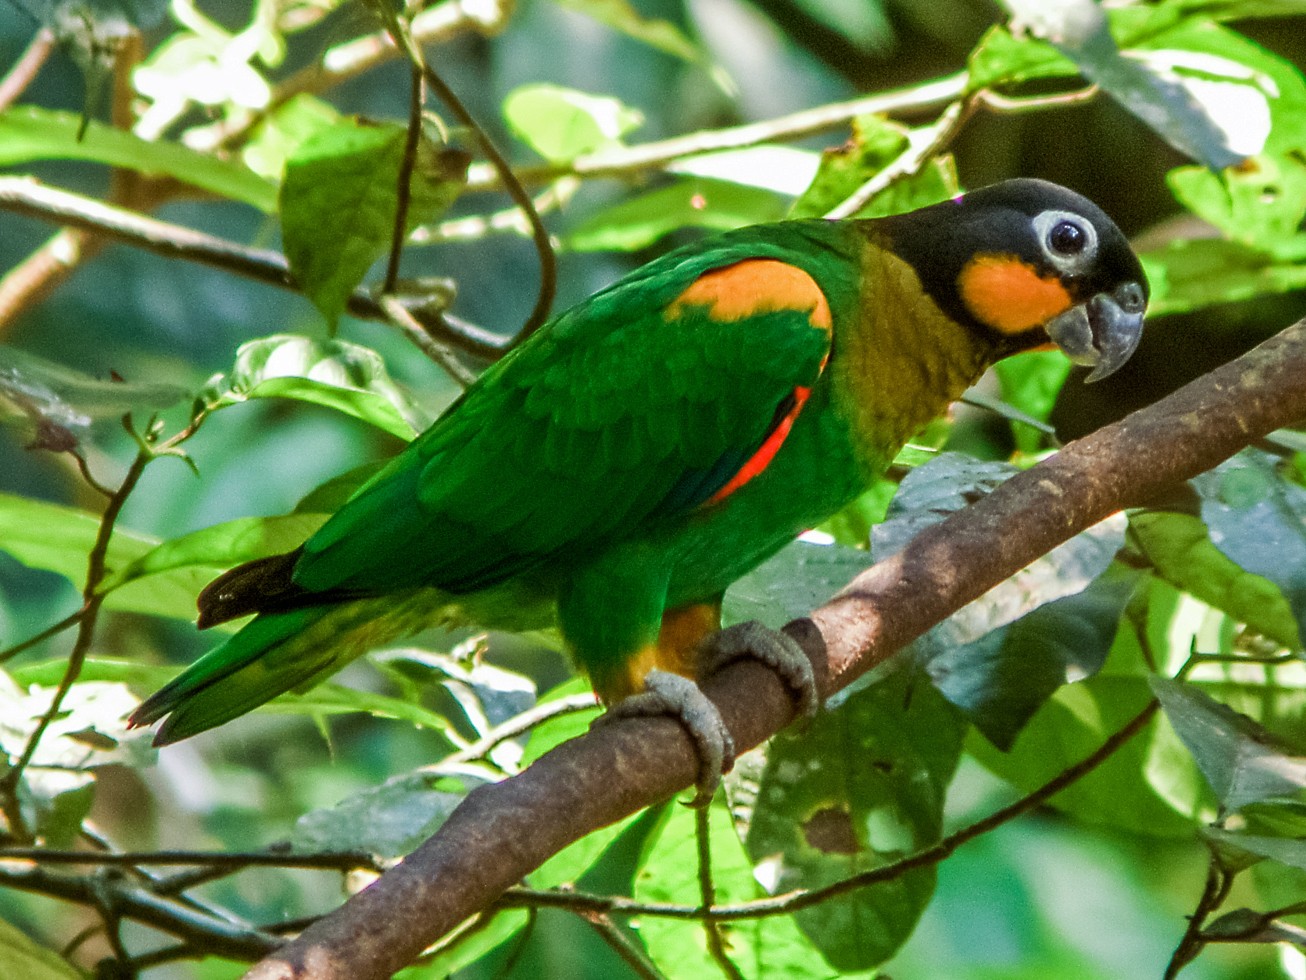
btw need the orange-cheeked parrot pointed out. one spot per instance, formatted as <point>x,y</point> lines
<point>615,473</point>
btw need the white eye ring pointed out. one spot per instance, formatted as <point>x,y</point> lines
<point>1066,263</point>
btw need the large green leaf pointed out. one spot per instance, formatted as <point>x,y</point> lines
<point>697,202</point>
<point>221,546</point>
<point>1260,203</point>
<point>346,377</point>
<point>765,947</point>
<point>562,123</point>
<point>1243,761</point>
<point>1179,547</point>
<point>1030,383</point>
<point>1001,679</point>
<point>863,786</point>
<point>28,133</point>
<point>1191,274</point>
<point>20,957</point>
<point>340,199</point>
<point>1258,518</point>
<point>388,820</point>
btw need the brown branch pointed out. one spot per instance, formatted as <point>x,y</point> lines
<point>503,831</point>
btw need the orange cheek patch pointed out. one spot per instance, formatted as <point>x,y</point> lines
<point>1008,295</point>
<point>755,286</point>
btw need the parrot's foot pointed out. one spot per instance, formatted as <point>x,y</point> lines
<point>775,649</point>
<point>680,698</point>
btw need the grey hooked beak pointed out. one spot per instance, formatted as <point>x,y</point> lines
<point>1103,331</point>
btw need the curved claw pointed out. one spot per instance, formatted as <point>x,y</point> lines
<point>667,694</point>
<point>776,649</point>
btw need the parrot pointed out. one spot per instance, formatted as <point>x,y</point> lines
<point>616,472</point>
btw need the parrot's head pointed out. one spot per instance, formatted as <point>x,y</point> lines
<point>1029,262</point>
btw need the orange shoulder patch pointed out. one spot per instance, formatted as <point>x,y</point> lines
<point>1008,295</point>
<point>755,286</point>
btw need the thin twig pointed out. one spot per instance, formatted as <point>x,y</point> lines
<point>441,354</point>
<point>516,725</point>
<point>25,69</point>
<point>404,189</point>
<point>45,634</point>
<point>1216,890</point>
<point>539,234</point>
<point>91,601</point>
<point>716,945</point>
<point>324,860</point>
<point>23,195</point>
<point>794,901</point>
<point>619,942</point>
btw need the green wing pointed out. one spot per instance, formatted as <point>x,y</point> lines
<point>612,418</point>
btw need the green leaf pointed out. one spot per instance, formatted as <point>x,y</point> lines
<point>389,820</point>
<point>799,578</point>
<point>783,169</point>
<point>36,393</point>
<point>340,198</point>
<point>466,947</point>
<point>281,131</point>
<point>1001,679</point>
<point>28,133</point>
<point>221,546</point>
<point>1256,98</point>
<point>1253,847</point>
<point>767,947</point>
<point>58,538</point>
<point>1192,274</point>
<point>1001,58</point>
<point>1151,85</point>
<point>1256,517</point>
<point>700,202</point>
<point>1243,762</point>
<point>622,16</point>
<point>1260,203</point>
<point>20,957</point>
<point>1180,549</point>
<point>333,373</point>
<point>863,786</point>
<point>1119,793</point>
<point>562,123</point>
<point>1031,382</point>
<point>875,144</point>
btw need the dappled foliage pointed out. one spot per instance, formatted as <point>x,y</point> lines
<point>285,250</point>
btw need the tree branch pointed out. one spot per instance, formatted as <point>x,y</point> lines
<point>503,831</point>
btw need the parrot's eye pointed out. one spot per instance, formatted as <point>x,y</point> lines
<point>1067,238</point>
<point>1068,241</point>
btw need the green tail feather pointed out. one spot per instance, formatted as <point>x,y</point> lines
<point>275,653</point>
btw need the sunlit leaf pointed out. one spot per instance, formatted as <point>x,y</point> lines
<point>1241,760</point>
<point>875,144</point>
<point>221,546</point>
<point>783,169</point>
<point>340,198</point>
<point>1195,273</point>
<point>465,948</point>
<point>281,131</point>
<point>20,957</point>
<point>562,123</point>
<point>28,133</point>
<point>862,786</point>
<point>1260,203</point>
<point>334,373</point>
<point>1179,547</point>
<point>696,203</point>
